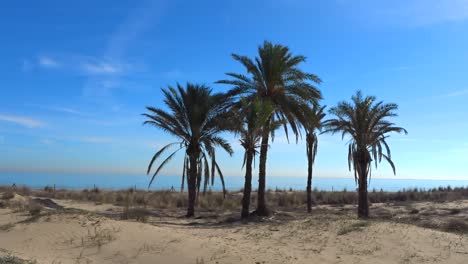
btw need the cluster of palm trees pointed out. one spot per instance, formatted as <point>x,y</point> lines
<point>274,93</point>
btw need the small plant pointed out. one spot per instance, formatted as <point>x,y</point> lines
<point>98,237</point>
<point>34,208</point>
<point>140,214</point>
<point>10,259</point>
<point>6,227</point>
<point>7,195</point>
<point>456,225</point>
<point>358,226</point>
<point>49,189</point>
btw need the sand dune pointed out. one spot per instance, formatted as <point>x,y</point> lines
<point>88,238</point>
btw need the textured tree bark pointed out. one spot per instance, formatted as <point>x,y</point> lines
<point>309,173</point>
<point>262,209</point>
<point>363,202</point>
<point>192,185</point>
<point>247,185</point>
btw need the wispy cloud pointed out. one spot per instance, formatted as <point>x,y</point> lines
<point>22,120</point>
<point>64,110</point>
<point>96,139</point>
<point>408,13</point>
<point>47,62</point>
<point>456,93</point>
<point>103,68</point>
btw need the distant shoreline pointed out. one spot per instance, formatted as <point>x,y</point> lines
<point>233,183</point>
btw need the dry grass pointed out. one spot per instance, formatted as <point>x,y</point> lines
<point>215,201</point>
<point>6,227</point>
<point>356,226</point>
<point>456,225</point>
<point>10,259</point>
<point>97,237</point>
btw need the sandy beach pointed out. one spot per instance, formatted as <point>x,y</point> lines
<point>82,234</point>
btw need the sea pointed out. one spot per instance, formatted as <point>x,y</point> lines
<point>233,183</point>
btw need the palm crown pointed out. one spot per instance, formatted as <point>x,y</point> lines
<point>275,77</point>
<point>196,117</point>
<point>364,120</point>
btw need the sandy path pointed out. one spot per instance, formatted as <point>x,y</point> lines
<point>78,238</point>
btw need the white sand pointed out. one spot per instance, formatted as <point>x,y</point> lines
<point>71,238</point>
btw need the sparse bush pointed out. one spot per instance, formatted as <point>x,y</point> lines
<point>10,259</point>
<point>6,227</point>
<point>7,195</point>
<point>34,208</point>
<point>456,225</point>
<point>139,214</point>
<point>49,189</point>
<point>357,226</point>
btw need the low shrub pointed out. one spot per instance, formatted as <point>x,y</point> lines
<point>7,195</point>
<point>456,225</point>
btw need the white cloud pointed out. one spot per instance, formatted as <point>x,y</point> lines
<point>48,62</point>
<point>96,139</point>
<point>64,110</point>
<point>456,93</point>
<point>407,12</point>
<point>103,68</point>
<point>21,120</point>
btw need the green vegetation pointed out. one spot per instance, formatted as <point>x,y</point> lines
<point>274,92</point>
<point>314,123</point>
<point>364,120</point>
<point>10,259</point>
<point>196,118</point>
<point>275,78</point>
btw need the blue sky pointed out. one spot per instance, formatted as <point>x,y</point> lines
<point>76,75</point>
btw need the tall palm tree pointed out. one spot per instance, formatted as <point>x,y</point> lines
<point>196,117</point>
<point>313,124</point>
<point>250,119</point>
<point>365,121</point>
<point>274,77</point>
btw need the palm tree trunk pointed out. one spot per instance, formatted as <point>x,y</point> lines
<point>262,209</point>
<point>247,185</point>
<point>192,185</point>
<point>363,202</point>
<point>309,173</point>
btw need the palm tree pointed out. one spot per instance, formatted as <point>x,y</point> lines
<point>364,120</point>
<point>274,77</point>
<point>250,119</point>
<point>313,124</point>
<point>195,117</point>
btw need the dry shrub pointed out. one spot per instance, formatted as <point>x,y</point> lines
<point>456,225</point>
<point>357,226</point>
<point>140,214</point>
<point>34,208</point>
<point>8,194</point>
